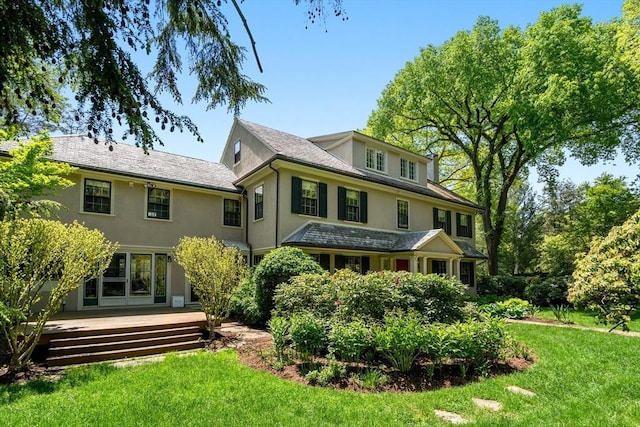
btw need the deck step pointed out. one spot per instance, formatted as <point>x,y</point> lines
<point>79,333</point>
<point>99,338</point>
<point>79,358</point>
<point>88,346</point>
<point>97,347</point>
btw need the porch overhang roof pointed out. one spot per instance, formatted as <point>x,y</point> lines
<point>242,247</point>
<point>333,236</point>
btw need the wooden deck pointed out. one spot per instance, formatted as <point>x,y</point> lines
<point>92,336</point>
<point>101,320</point>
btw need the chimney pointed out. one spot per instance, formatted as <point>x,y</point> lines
<point>433,169</point>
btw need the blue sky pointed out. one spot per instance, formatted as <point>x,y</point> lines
<point>326,77</point>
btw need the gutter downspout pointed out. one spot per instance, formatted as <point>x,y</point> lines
<point>277,200</point>
<point>246,224</point>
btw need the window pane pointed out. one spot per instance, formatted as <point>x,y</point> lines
<point>370,158</point>
<point>352,205</point>
<point>412,171</point>
<point>352,263</point>
<point>97,196</point>
<point>403,168</point>
<point>236,152</point>
<point>403,214</point>
<point>161,275</point>
<point>380,161</point>
<point>310,198</point>
<point>140,274</point>
<point>232,213</point>
<point>158,203</point>
<point>258,197</point>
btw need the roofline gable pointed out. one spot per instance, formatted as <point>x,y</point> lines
<point>440,234</point>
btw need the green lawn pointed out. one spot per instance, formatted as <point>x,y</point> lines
<point>585,318</point>
<point>582,378</point>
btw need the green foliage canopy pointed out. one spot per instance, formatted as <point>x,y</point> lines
<point>91,46</point>
<point>507,99</point>
<point>29,174</point>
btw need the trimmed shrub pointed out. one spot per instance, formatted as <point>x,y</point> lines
<point>277,267</point>
<point>502,285</point>
<point>349,296</point>
<point>243,305</point>
<point>548,292</point>
<point>362,296</point>
<point>436,298</point>
<point>308,334</point>
<point>315,293</point>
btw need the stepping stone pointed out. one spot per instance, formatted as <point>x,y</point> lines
<point>451,417</point>
<point>519,390</point>
<point>487,404</point>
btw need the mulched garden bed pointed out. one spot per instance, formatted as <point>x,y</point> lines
<point>256,355</point>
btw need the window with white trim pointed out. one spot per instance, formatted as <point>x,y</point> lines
<point>236,151</point>
<point>376,159</point>
<point>158,203</point>
<point>232,213</point>
<point>258,202</point>
<point>408,169</point>
<point>352,204</point>
<point>403,214</point>
<point>97,196</point>
<point>309,204</point>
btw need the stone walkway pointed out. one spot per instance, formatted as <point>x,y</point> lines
<point>491,405</point>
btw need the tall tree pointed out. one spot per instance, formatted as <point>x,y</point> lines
<point>559,201</point>
<point>507,99</point>
<point>522,232</point>
<point>90,44</point>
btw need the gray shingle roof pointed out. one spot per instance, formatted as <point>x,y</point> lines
<point>469,250</point>
<point>128,160</point>
<point>413,240</point>
<point>297,148</point>
<point>301,150</point>
<point>317,234</point>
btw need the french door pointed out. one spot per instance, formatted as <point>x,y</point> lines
<point>130,279</point>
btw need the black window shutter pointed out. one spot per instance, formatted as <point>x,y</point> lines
<point>458,227</point>
<point>339,262</point>
<point>365,265</point>
<point>436,224</point>
<point>342,203</point>
<point>471,225</point>
<point>325,261</point>
<point>472,275</point>
<point>296,194</point>
<point>363,206</point>
<point>322,189</point>
<point>448,215</point>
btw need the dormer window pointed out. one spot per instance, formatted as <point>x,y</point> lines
<point>236,152</point>
<point>376,160</point>
<point>408,169</point>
